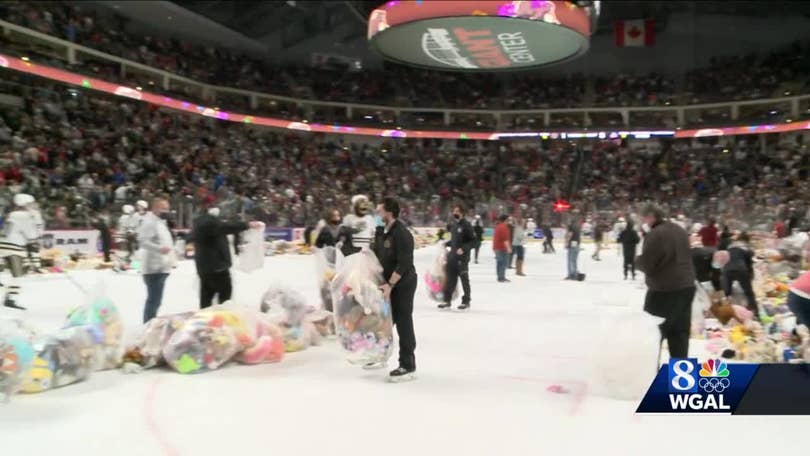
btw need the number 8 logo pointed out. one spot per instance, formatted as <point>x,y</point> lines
<point>683,379</point>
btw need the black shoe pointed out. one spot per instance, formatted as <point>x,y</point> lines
<point>464,306</point>
<point>13,305</point>
<point>444,305</point>
<point>400,374</point>
<point>504,280</point>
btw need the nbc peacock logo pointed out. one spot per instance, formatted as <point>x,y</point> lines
<point>714,376</point>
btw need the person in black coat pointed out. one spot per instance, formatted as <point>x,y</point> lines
<point>212,255</point>
<point>100,223</point>
<point>725,239</point>
<point>740,268</point>
<point>478,229</point>
<point>548,239</point>
<point>629,240</point>
<point>462,240</point>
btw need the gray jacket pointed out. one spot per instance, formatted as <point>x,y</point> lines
<point>153,235</point>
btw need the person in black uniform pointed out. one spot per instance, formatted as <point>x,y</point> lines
<point>478,229</point>
<point>462,239</point>
<point>707,266</point>
<point>548,239</point>
<point>394,248</point>
<point>740,268</point>
<point>629,240</point>
<point>100,223</point>
<point>212,255</point>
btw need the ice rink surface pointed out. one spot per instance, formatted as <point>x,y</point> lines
<point>482,386</point>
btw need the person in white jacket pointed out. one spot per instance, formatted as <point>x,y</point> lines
<point>20,230</point>
<point>155,241</point>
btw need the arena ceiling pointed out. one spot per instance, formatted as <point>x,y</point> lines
<point>288,28</point>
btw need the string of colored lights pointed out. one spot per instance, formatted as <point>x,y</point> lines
<point>29,67</point>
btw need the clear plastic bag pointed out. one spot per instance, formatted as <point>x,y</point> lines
<point>284,305</point>
<point>16,356</point>
<point>626,351</point>
<point>362,316</point>
<point>251,255</point>
<point>148,349</point>
<point>103,315</point>
<point>324,322</point>
<point>325,259</point>
<point>436,277</point>
<point>268,343</point>
<point>206,341</point>
<point>700,305</point>
<point>68,356</point>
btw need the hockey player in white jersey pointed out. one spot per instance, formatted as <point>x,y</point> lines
<point>141,208</point>
<point>358,227</point>
<point>19,231</point>
<point>33,260</point>
<point>126,231</point>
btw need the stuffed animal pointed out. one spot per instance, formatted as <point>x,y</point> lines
<point>205,342</point>
<point>16,356</point>
<point>62,358</point>
<point>104,317</point>
<point>148,349</point>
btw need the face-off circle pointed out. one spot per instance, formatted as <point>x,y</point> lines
<point>480,35</point>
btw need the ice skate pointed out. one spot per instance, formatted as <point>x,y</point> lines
<point>464,306</point>
<point>444,306</point>
<point>10,303</point>
<point>400,375</point>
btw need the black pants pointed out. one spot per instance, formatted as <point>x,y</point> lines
<point>106,240</point>
<point>744,278</point>
<point>548,246</point>
<point>457,268</point>
<point>629,262</point>
<point>215,284</point>
<point>676,309</point>
<point>402,313</point>
<point>477,249</point>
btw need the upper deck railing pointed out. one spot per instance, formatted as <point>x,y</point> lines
<point>793,106</point>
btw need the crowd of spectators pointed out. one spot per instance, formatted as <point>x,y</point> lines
<point>83,153</point>
<point>735,78</point>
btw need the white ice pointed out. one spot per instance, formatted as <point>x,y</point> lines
<point>481,388</point>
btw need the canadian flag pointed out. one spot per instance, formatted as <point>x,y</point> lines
<point>640,32</point>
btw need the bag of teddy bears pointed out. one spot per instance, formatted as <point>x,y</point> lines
<point>362,316</point>
<point>103,315</point>
<point>16,356</point>
<point>207,340</point>
<point>147,351</point>
<point>267,345</point>
<point>325,259</point>
<point>67,356</point>
<point>436,277</point>
<point>284,304</point>
<point>324,322</point>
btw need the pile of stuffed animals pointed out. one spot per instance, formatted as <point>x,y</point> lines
<point>734,333</point>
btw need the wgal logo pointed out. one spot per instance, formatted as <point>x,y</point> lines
<point>698,387</point>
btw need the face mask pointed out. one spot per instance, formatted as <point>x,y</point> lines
<point>334,222</point>
<point>164,216</point>
<point>457,216</point>
<point>379,220</point>
<point>715,265</point>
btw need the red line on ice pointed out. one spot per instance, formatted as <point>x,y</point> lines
<point>151,422</point>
